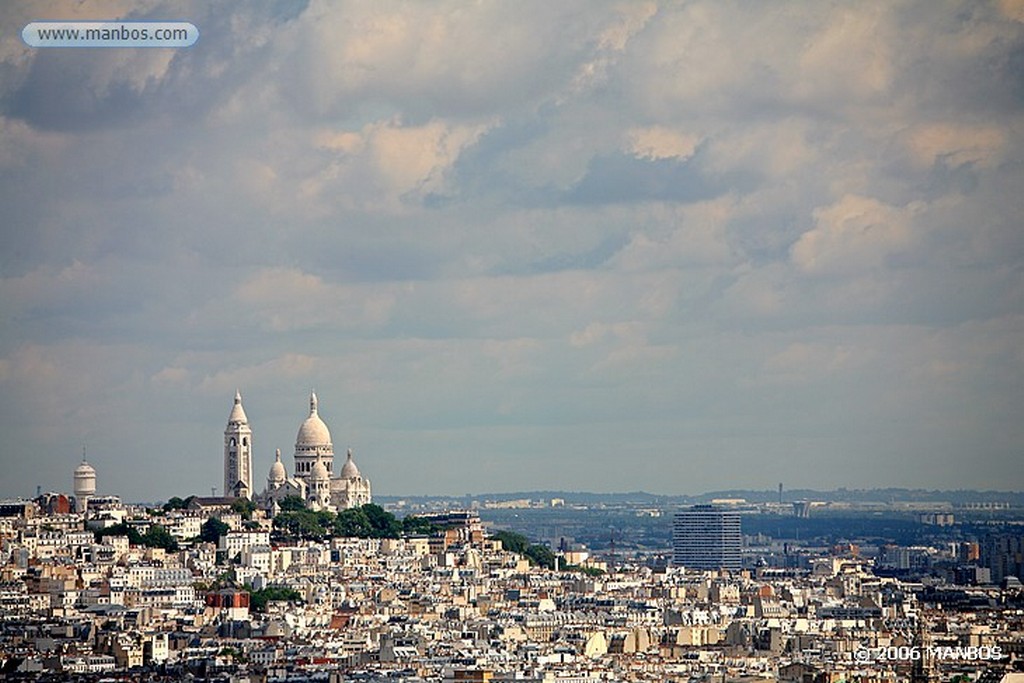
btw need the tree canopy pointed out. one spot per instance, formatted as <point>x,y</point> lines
<point>176,503</point>
<point>367,521</point>
<point>155,537</point>
<point>122,529</point>
<point>159,537</point>
<point>538,555</point>
<point>258,600</point>
<point>244,507</point>
<point>213,529</point>
<point>292,504</point>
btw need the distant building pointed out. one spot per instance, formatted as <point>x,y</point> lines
<point>238,453</point>
<point>460,525</point>
<point>17,508</point>
<point>85,485</point>
<point>1003,554</point>
<point>54,504</point>
<point>705,537</point>
<point>314,477</point>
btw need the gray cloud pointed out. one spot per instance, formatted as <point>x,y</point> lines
<point>518,245</point>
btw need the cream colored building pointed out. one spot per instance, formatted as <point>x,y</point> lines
<point>238,453</point>
<point>315,480</point>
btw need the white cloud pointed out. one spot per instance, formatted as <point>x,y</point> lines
<point>416,159</point>
<point>802,362</point>
<point>955,144</point>
<point>284,300</point>
<point>851,56</point>
<point>451,56</point>
<point>285,367</point>
<point>854,234</point>
<point>659,142</point>
<point>686,235</point>
<point>630,19</point>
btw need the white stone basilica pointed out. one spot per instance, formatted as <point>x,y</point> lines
<point>314,480</point>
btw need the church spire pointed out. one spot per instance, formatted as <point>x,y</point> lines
<point>237,411</point>
<point>238,451</point>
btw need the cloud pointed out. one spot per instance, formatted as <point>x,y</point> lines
<point>284,300</point>
<point>682,235</point>
<point>955,145</point>
<point>698,232</point>
<point>447,58</point>
<point>854,234</point>
<point>285,367</point>
<point>611,43</point>
<point>802,362</point>
<point>415,159</point>
<point>658,142</point>
<point>850,57</point>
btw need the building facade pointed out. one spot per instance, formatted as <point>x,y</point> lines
<point>705,537</point>
<point>314,478</point>
<point>238,453</point>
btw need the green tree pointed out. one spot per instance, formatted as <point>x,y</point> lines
<point>382,523</point>
<point>122,529</point>
<point>159,537</point>
<point>258,600</point>
<point>537,554</point>
<point>176,503</point>
<point>511,541</point>
<point>541,556</point>
<point>292,504</point>
<point>417,525</point>
<point>244,507</point>
<point>305,524</point>
<point>213,529</point>
<point>352,523</point>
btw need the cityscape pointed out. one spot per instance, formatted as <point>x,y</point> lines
<point>306,578</point>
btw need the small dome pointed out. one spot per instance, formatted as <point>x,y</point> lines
<point>237,416</point>
<point>313,431</point>
<point>349,469</point>
<point>85,470</point>
<point>277,473</point>
<point>319,472</point>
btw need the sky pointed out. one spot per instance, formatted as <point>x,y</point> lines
<point>577,245</point>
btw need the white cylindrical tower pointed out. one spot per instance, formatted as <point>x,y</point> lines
<point>85,485</point>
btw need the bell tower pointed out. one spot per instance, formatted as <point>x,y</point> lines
<point>238,453</point>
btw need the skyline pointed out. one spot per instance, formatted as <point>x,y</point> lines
<point>583,246</point>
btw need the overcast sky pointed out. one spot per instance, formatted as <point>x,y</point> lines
<point>581,245</point>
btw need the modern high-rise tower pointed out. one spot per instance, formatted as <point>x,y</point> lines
<point>238,453</point>
<point>705,537</point>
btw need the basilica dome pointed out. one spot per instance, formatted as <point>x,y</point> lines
<point>349,469</point>
<point>277,473</point>
<point>313,432</point>
<point>319,472</point>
